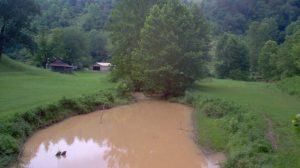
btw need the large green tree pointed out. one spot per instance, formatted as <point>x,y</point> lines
<point>15,18</point>
<point>173,47</point>
<point>98,45</point>
<point>288,55</point>
<point>257,35</point>
<point>232,58</point>
<point>72,47</point>
<point>125,26</point>
<point>267,60</point>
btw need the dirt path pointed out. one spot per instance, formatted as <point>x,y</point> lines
<point>147,134</point>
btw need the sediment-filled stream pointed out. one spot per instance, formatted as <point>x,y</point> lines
<point>147,134</point>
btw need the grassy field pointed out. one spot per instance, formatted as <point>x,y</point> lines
<point>23,87</point>
<point>274,109</point>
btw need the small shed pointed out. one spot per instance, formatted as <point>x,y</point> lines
<point>59,66</point>
<point>101,66</point>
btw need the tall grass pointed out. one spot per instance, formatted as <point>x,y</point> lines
<point>266,114</point>
<point>226,126</point>
<point>290,85</point>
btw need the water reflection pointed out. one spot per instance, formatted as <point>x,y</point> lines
<point>94,152</point>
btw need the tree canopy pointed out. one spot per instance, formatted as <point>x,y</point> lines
<point>14,23</point>
<point>165,48</point>
<point>232,58</point>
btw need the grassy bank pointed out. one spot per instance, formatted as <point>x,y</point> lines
<point>23,87</point>
<point>18,127</point>
<point>290,85</point>
<point>250,121</point>
<point>32,98</point>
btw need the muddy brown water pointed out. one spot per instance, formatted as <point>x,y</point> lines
<point>147,134</point>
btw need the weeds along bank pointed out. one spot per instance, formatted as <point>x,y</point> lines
<point>290,85</point>
<point>16,129</point>
<point>225,126</point>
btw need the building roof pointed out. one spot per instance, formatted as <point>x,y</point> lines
<point>106,64</point>
<point>60,63</point>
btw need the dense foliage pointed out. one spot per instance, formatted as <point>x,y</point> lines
<point>14,23</point>
<point>125,25</point>
<point>167,47</point>
<point>235,16</point>
<point>232,57</point>
<point>258,22</point>
<point>72,30</point>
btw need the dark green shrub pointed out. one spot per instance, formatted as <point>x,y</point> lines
<point>238,74</point>
<point>216,108</point>
<point>109,97</point>
<point>71,104</point>
<point>8,145</point>
<point>189,98</point>
<point>32,118</point>
<point>296,122</point>
<point>16,128</point>
<point>125,87</point>
<point>7,160</point>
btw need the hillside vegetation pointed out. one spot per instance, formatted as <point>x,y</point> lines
<point>23,87</point>
<point>251,121</point>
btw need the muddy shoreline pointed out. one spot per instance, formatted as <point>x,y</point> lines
<point>155,127</point>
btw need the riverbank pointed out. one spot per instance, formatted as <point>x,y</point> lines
<point>16,129</point>
<point>148,133</point>
<point>249,121</point>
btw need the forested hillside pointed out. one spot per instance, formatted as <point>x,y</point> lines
<point>269,31</point>
<point>72,30</point>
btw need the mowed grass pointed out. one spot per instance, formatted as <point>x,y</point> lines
<point>23,87</point>
<point>268,103</point>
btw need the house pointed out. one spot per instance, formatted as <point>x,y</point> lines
<point>59,66</point>
<point>101,66</point>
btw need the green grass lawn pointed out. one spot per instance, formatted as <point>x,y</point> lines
<point>23,87</point>
<point>267,102</point>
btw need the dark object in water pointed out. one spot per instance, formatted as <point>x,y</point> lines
<point>63,153</point>
<point>58,154</point>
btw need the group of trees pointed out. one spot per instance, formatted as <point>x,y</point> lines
<point>72,30</point>
<point>15,22</point>
<point>265,33</point>
<point>277,61</point>
<point>235,16</point>
<point>161,46</point>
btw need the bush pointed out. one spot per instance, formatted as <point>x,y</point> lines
<point>296,122</point>
<point>217,108</point>
<point>238,75</point>
<point>8,145</point>
<point>124,87</point>
<point>290,85</point>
